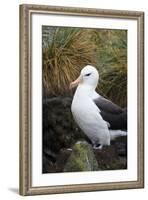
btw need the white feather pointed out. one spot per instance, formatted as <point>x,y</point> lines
<point>87,116</point>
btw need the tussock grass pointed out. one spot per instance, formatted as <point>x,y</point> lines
<point>66,52</point>
<point>113,85</point>
<point>112,65</point>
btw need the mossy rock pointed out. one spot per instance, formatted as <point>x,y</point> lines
<point>81,159</point>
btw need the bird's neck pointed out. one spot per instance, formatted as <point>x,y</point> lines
<point>84,91</point>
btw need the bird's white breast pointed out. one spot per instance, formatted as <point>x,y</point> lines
<point>87,116</point>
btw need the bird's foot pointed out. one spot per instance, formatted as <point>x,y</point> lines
<point>97,146</point>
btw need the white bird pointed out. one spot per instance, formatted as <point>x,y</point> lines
<point>87,113</point>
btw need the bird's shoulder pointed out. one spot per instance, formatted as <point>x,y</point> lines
<point>107,105</point>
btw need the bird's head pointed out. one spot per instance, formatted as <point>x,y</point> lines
<point>88,76</point>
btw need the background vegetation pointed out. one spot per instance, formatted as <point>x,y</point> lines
<point>67,50</point>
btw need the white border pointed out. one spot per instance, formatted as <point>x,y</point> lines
<point>39,179</point>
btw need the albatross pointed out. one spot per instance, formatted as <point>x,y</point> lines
<point>99,118</point>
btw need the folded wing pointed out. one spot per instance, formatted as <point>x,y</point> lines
<point>112,113</point>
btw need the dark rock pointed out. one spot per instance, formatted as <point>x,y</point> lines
<point>48,165</point>
<point>113,157</point>
<point>60,133</point>
<point>59,129</point>
<point>50,155</point>
<point>62,158</point>
<point>121,146</point>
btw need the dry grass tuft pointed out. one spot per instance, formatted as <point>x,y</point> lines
<point>64,55</point>
<point>67,50</point>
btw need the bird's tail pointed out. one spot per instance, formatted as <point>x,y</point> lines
<point>116,133</point>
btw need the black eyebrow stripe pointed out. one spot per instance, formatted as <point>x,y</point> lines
<point>88,74</point>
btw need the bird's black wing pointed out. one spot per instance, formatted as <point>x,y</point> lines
<point>107,105</point>
<point>112,113</point>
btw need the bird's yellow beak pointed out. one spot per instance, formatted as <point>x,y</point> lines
<point>75,83</point>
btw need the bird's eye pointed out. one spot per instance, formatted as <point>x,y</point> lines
<point>88,74</point>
